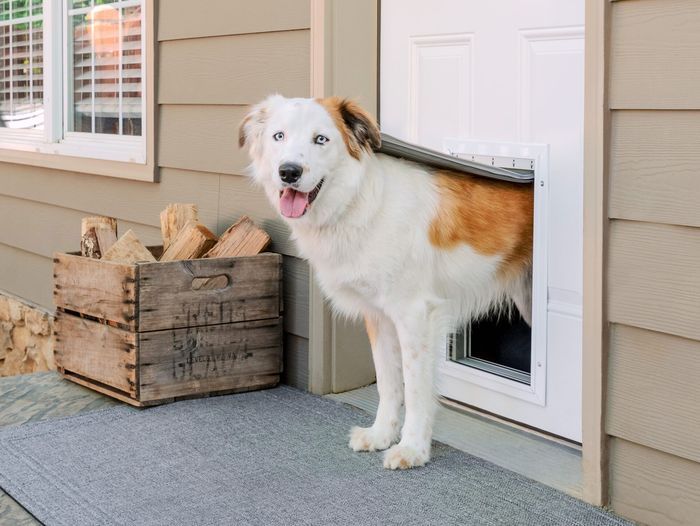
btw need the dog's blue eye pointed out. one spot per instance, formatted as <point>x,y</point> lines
<point>321,139</point>
<point>278,136</point>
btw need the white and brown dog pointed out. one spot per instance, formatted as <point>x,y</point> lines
<point>412,250</point>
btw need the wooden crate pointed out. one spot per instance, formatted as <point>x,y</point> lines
<point>150,333</point>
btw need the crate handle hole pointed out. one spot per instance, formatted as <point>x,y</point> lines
<point>211,282</point>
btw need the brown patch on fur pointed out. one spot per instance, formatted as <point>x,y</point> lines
<point>357,127</point>
<point>493,217</point>
<point>371,330</point>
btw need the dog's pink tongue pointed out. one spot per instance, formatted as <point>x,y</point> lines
<point>293,203</point>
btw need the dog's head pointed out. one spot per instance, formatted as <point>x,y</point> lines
<point>307,153</point>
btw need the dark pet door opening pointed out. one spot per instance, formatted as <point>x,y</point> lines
<point>499,345</point>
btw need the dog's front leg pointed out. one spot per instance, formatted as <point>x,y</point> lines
<point>387,364</point>
<point>417,355</point>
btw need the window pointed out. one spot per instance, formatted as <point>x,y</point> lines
<point>72,78</point>
<point>21,69</point>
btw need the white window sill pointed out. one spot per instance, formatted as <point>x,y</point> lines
<point>126,159</point>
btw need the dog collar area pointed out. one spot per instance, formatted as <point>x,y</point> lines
<point>412,152</point>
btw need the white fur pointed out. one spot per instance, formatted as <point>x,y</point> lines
<point>366,236</point>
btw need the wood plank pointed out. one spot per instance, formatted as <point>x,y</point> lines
<point>653,390</point>
<point>95,350</point>
<point>653,277</point>
<point>128,249</point>
<point>174,218</point>
<point>295,289</point>
<point>240,197</point>
<point>654,159</point>
<point>177,19</point>
<point>102,388</point>
<point>131,201</point>
<point>243,238</point>
<point>653,487</point>
<point>296,362</point>
<point>202,137</point>
<point>102,289</point>
<point>193,241</point>
<point>654,49</point>
<point>210,358</point>
<point>97,235</point>
<point>240,69</point>
<point>168,300</point>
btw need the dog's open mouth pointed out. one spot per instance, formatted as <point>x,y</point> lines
<point>294,203</point>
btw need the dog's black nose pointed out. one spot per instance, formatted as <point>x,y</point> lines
<point>290,172</point>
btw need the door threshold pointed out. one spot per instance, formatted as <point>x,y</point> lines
<point>550,461</point>
<point>465,408</point>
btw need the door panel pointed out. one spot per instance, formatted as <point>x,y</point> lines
<point>503,71</point>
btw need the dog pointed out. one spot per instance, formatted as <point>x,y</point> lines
<point>413,250</point>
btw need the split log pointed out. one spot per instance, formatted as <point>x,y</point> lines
<point>97,235</point>
<point>89,246</point>
<point>243,238</point>
<point>174,218</point>
<point>128,250</point>
<point>193,241</point>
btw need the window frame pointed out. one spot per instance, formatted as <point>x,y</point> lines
<point>130,157</point>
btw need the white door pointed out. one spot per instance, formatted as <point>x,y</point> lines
<point>504,78</point>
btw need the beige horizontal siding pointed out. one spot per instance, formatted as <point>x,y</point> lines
<point>654,160</point>
<point>654,277</point>
<point>44,229</point>
<point>178,19</point>
<point>654,393</point>
<point>202,138</point>
<point>121,198</point>
<point>236,69</point>
<point>654,50</point>
<point>653,487</point>
<point>26,275</point>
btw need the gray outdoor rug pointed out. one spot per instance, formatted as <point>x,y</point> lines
<point>268,457</point>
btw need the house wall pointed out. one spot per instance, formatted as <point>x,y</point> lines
<point>213,61</point>
<point>652,270</point>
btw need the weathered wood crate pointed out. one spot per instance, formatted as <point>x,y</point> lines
<point>150,333</point>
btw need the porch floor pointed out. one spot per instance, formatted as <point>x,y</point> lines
<point>550,462</point>
<point>45,396</point>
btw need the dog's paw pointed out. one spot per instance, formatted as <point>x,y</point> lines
<point>405,457</point>
<point>370,439</point>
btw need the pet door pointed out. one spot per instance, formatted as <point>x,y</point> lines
<point>501,353</point>
<point>498,345</point>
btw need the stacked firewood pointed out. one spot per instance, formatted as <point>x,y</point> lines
<point>184,237</point>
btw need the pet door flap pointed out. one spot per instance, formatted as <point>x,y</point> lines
<point>412,152</point>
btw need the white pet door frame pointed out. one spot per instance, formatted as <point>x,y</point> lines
<point>453,375</point>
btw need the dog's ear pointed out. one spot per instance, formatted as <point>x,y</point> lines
<point>361,124</point>
<point>253,124</point>
<point>359,129</point>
